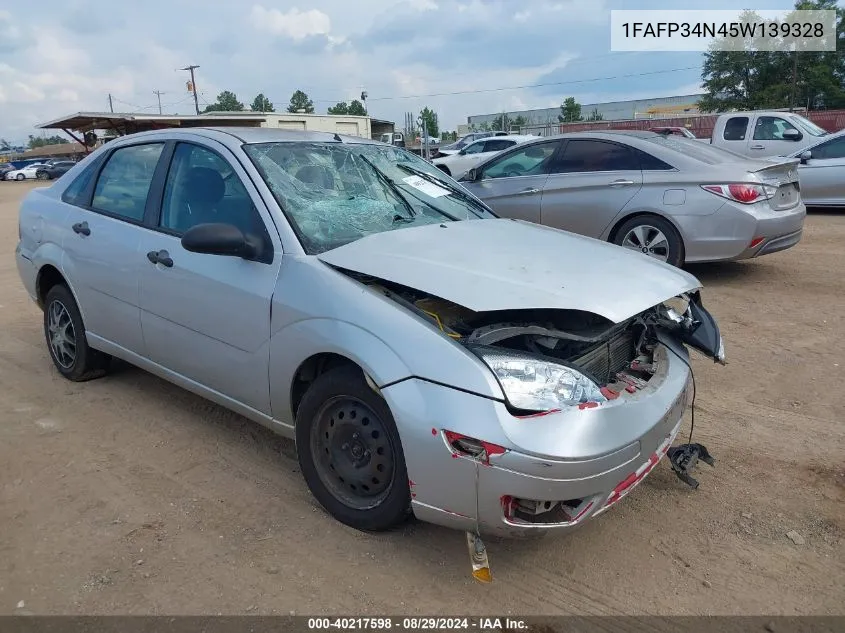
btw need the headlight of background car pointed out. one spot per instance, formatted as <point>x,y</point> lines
<point>538,385</point>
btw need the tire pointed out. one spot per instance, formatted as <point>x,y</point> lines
<point>444,169</point>
<point>70,352</point>
<point>651,226</point>
<point>20,177</point>
<point>42,175</point>
<point>341,420</point>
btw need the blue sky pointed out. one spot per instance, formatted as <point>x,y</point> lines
<point>68,55</point>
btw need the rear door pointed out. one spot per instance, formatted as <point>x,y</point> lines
<point>106,206</point>
<point>767,137</point>
<point>591,181</point>
<point>207,317</point>
<point>512,183</point>
<point>823,176</point>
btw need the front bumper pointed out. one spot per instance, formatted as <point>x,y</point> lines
<point>597,455</point>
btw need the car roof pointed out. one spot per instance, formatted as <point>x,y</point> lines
<point>251,135</point>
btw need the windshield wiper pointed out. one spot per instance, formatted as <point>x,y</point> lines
<point>392,186</point>
<point>436,181</point>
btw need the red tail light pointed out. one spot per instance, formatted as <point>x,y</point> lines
<point>742,193</point>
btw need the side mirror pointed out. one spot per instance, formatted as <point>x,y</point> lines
<point>463,152</point>
<point>472,175</point>
<point>805,156</point>
<point>792,135</point>
<point>219,239</point>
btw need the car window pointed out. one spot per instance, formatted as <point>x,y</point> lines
<point>771,128</point>
<point>649,162</point>
<point>735,128</point>
<point>834,148</point>
<point>203,188</point>
<point>497,145</point>
<point>475,148</point>
<point>584,155</point>
<point>535,159</point>
<point>75,193</point>
<point>125,179</point>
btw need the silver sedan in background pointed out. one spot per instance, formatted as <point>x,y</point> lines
<point>822,172</point>
<point>673,199</point>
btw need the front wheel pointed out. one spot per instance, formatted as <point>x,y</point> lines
<point>350,453</point>
<point>66,341</point>
<point>20,177</point>
<point>653,236</point>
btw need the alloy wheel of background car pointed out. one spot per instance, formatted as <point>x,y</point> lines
<point>350,453</point>
<point>20,177</point>
<point>652,236</point>
<point>66,341</point>
<point>42,176</point>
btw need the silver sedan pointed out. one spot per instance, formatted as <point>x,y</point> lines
<point>427,357</point>
<point>822,172</point>
<point>673,199</point>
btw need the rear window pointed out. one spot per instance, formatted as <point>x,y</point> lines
<point>697,150</point>
<point>735,128</point>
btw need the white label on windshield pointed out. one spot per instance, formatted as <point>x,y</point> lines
<point>428,188</point>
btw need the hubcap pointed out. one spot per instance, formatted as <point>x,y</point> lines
<point>352,452</point>
<point>62,337</point>
<point>648,240</point>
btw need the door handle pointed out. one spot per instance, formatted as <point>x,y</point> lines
<point>621,183</point>
<point>757,147</point>
<point>81,228</point>
<point>526,192</point>
<point>160,257</point>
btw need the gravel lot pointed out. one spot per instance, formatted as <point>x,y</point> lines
<point>128,495</point>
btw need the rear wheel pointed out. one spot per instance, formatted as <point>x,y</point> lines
<point>350,453</point>
<point>653,236</point>
<point>42,175</point>
<point>66,342</point>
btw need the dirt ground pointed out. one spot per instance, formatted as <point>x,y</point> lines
<point>128,495</point>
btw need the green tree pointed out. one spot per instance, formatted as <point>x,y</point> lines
<point>357,108</point>
<point>519,122</point>
<point>595,115</point>
<point>340,108</point>
<point>261,104</point>
<point>570,110</point>
<point>41,141</point>
<point>300,101</point>
<point>227,101</point>
<point>430,117</point>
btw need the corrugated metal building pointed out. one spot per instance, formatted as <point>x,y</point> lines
<point>615,110</point>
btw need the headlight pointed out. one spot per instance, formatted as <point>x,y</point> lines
<point>538,385</point>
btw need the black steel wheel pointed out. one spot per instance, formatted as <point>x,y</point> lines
<point>350,453</point>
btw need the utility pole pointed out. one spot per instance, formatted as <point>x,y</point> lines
<point>158,94</point>
<point>191,68</point>
<point>111,106</point>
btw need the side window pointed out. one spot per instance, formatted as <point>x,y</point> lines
<point>587,155</point>
<point>532,160</point>
<point>834,148</point>
<point>771,128</point>
<point>649,162</point>
<point>735,128</point>
<point>75,192</point>
<point>497,146</point>
<point>475,148</point>
<point>203,188</point>
<point>125,180</point>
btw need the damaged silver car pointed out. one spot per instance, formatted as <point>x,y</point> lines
<point>427,357</point>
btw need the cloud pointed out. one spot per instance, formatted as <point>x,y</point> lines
<point>294,24</point>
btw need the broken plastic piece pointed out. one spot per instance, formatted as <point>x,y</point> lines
<point>478,558</point>
<point>684,457</point>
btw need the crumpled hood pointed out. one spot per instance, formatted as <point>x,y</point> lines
<point>499,264</point>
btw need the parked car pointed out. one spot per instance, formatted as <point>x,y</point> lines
<point>5,168</point>
<point>349,295</point>
<point>673,199</point>
<point>465,140</point>
<point>456,165</point>
<point>761,134</point>
<point>822,172</point>
<point>26,173</point>
<point>54,169</point>
<point>673,131</point>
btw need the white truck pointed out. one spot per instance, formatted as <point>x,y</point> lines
<point>764,133</point>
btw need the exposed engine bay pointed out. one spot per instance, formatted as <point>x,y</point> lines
<point>618,357</point>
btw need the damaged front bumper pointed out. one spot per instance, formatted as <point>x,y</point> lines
<point>555,471</point>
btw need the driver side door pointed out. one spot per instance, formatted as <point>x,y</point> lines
<point>207,317</point>
<point>512,183</point>
<point>823,175</point>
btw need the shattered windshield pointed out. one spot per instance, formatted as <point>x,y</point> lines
<point>336,193</point>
